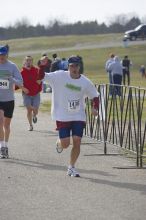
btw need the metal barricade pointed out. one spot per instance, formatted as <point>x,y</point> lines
<point>121,120</point>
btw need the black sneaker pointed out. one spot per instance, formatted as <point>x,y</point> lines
<point>4,153</point>
<point>34,119</point>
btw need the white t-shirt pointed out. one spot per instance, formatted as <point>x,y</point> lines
<point>68,95</point>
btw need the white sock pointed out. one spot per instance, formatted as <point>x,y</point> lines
<point>2,143</point>
<point>6,144</point>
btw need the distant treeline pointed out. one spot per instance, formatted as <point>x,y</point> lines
<point>22,29</point>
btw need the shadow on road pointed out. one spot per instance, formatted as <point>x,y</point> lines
<point>104,155</point>
<point>132,186</point>
<point>52,167</point>
<point>125,185</point>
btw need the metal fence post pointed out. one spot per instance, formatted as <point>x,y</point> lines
<point>106,106</point>
<point>138,132</point>
<point>140,136</point>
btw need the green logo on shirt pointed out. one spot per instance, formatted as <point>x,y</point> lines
<point>73,87</point>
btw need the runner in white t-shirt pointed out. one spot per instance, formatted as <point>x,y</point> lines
<point>69,90</point>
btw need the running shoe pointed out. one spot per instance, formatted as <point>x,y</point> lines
<point>4,153</point>
<point>58,147</point>
<point>72,172</point>
<point>34,119</point>
<point>30,128</point>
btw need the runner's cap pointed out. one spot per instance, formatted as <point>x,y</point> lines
<point>3,50</point>
<point>73,60</point>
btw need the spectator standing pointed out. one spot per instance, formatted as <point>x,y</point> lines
<point>108,62</point>
<point>56,65</point>
<point>64,64</point>
<point>126,63</point>
<point>116,70</point>
<point>54,56</point>
<point>142,71</point>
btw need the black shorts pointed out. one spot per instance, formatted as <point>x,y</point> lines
<point>8,108</point>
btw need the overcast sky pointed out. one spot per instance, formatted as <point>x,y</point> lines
<point>67,10</point>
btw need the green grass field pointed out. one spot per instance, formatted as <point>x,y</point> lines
<point>44,43</point>
<point>94,59</point>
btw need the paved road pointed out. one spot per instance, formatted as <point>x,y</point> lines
<point>34,185</point>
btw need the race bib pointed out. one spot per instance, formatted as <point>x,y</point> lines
<point>4,84</point>
<point>74,105</point>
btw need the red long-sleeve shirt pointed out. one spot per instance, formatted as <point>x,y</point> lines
<point>41,72</point>
<point>30,77</point>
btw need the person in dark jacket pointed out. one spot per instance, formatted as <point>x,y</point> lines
<point>126,63</point>
<point>56,65</point>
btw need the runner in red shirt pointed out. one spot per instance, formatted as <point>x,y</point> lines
<point>31,100</point>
